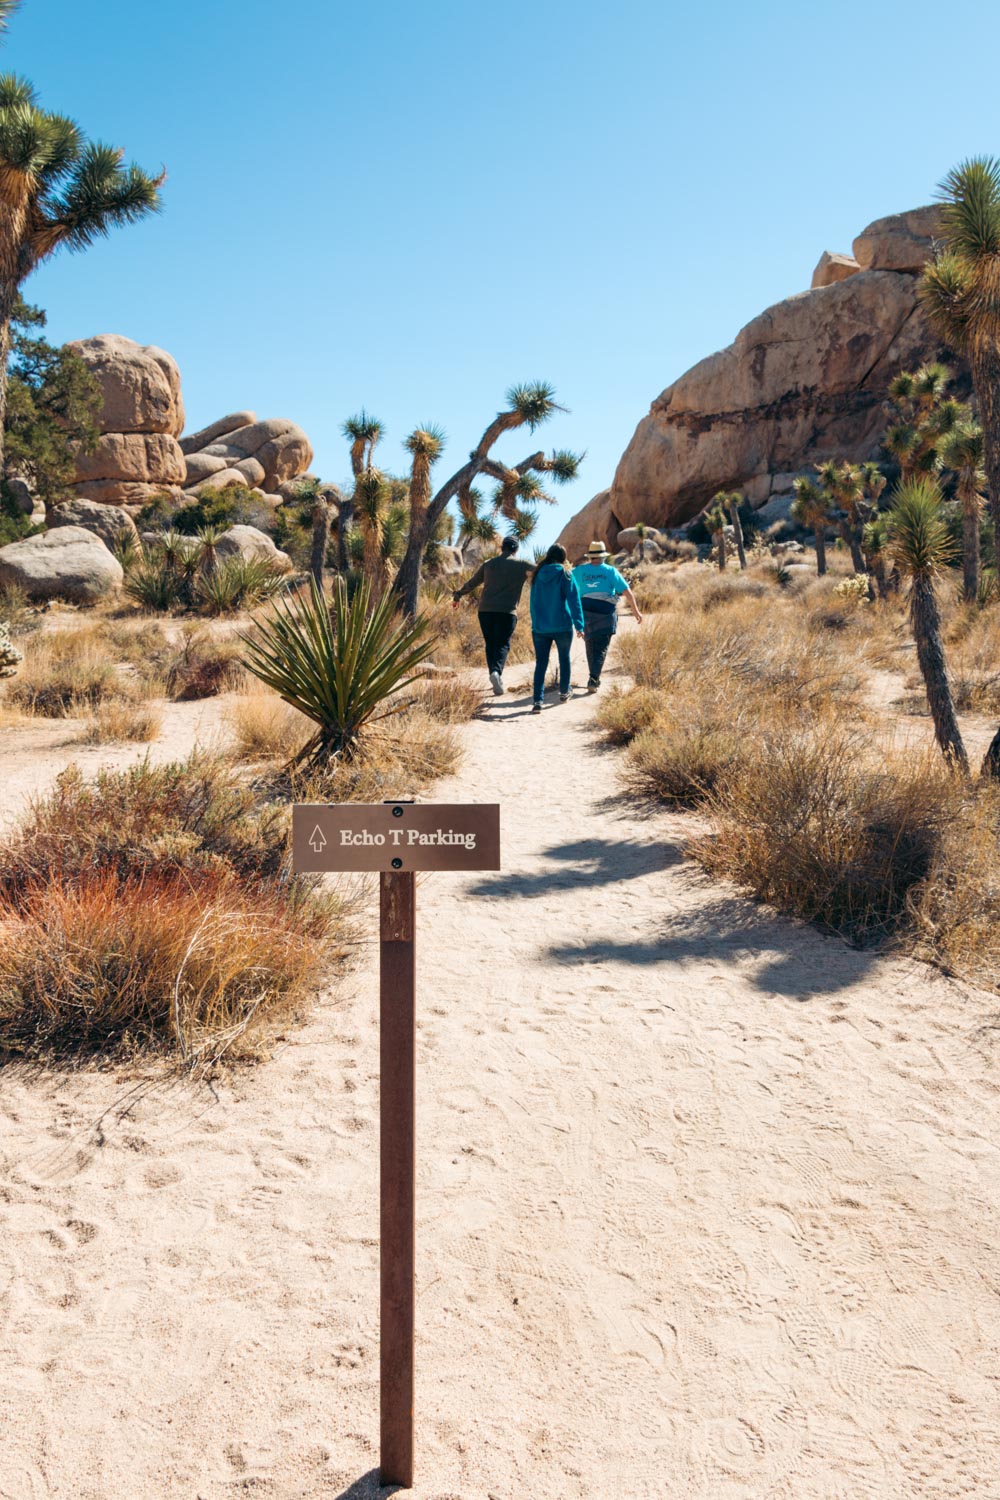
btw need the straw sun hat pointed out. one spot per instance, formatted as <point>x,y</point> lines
<point>597,549</point>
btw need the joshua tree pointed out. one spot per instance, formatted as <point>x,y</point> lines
<point>320,544</point>
<point>731,501</point>
<point>717,520</point>
<point>57,189</point>
<point>922,548</point>
<point>640,531</point>
<point>963,452</point>
<point>527,406</point>
<point>923,416</point>
<point>960,289</point>
<point>874,544</point>
<point>364,433</point>
<point>371,499</point>
<point>811,507</point>
<point>846,488</point>
<point>425,445</point>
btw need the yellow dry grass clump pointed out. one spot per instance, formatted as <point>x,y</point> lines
<point>757,708</point>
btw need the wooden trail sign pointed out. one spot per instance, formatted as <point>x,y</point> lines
<point>396,839</point>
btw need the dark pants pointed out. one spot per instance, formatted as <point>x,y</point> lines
<point>497,627</point>
<point>597,649</point>
<point>543,649</point>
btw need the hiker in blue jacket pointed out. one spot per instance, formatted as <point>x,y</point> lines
<point>556,612</point>
<point>601,586</point>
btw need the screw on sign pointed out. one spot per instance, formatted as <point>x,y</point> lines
<point>396,840</point>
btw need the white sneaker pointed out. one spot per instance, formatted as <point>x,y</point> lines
<point>565,697</point>
<point>497,684</point>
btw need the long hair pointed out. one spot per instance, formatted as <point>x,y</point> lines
<point>555,554</point>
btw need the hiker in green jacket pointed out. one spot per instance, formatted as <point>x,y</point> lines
<point>501,579</point>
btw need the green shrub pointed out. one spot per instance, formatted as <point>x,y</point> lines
<point>210,508</point>
<point>154,584</point>
<point>237,583</point>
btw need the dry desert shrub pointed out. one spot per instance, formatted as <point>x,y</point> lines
<point>65,672</point>
<point>155,907</point>
<point>745,651</point>
<point>974,659</point>
<point>193,815</point>
<point>75,666</point>
<point>625,712</point>
<point>682,763</point>
<point>264,727</point>
<point>817,821</point>
<point>117,722</point>
<point>110,965</point>
<point>448,698</point>
<point>399,758</point>
<point>207,664</point>
<point>956,912</point>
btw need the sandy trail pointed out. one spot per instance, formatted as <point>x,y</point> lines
<point>708,1206</point>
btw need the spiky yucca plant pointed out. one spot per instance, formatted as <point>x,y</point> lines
<point>922,548</point>
<point>339,664</point>
<point>811,507</point>
<point>963,451</point>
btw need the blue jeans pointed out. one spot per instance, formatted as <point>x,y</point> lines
<point>543,649</point>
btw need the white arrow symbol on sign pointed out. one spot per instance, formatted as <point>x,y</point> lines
<point>316,839</point>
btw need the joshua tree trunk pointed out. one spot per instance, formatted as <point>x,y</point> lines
<point>320,540</point>
<point>344,519</point>
<point>986,382</point>
<point>818,533</point>
<point>878,573</point>
<point>926,622</point>
<point>970,547</point>
<point>853,545</point>
<point>8,301</point>
<point>991,760</point>
<point>721,547</point>
<point>738,533</point>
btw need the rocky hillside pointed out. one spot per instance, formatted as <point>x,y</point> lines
<point>803,382</point>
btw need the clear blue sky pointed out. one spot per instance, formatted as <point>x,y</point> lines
<point>410,207</point>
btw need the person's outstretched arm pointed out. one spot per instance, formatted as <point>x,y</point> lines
<point>474,583</point>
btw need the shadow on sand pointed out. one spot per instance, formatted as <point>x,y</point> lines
<point>584,864</point>
<point>368,1488</point>
<point>795,960</point>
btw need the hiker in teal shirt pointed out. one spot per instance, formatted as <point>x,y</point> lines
<point>601,586</point>
<point>556,612</point>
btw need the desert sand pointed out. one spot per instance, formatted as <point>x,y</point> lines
<point>707,1202</point>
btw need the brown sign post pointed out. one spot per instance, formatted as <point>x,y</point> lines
<point>396,840</point>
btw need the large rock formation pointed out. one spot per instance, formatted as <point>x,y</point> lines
<point>249,543</point>
<point>112,523</point>
<point>803,382</point>
<point>67,563</point>
<point>142,417</point>
<point>241,450</point>
<point>138,454</point>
